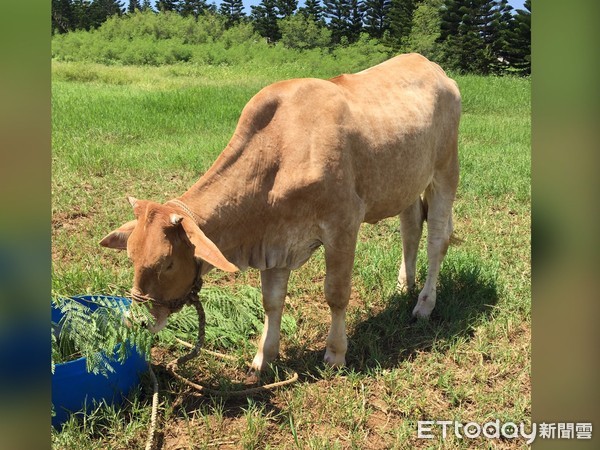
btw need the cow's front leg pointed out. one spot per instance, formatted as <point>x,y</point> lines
<point>338,279</point>
<point>274,288</point>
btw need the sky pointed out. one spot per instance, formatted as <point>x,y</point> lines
<point>516,4</point>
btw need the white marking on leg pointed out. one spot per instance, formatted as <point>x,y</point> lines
<point>337,342</point>
<point>268,348</point>
<point>425,303</point>
<point>274,289</point>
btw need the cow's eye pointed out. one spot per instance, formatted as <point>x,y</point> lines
<point>169,266</point>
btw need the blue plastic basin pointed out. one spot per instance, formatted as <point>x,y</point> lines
<point>75,389</point>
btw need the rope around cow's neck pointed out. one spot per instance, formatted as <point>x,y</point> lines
<point>173,365</point>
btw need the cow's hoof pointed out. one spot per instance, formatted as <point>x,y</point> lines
<point>423,308</point>
<point>252,377</point>
<point>333,359</point>
<point>418,315</point>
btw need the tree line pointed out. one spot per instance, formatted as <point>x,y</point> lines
<point>471,36</point>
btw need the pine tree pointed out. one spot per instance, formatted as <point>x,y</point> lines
<point>285,8</point>
<point>376,17</point>
<point>146,6</point>
<point>519,53</point>
<point>233,10</point>
<point>100,10</point>
<point>450,19</point>
<point>504,24</point>
<point>490,30</point>
<point>400,17</point>
<point>167,5</point>
<point>193,7</point>
<point>312,8</point>
<point>133,5</point>
<point>63,17</point>
<point>470,33</point>
<point>338,12</point>
<point>264,17</point>
<point>356,20</point>
<point>467,42</point>
<point>82,19</point>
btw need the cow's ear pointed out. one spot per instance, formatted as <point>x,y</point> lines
<point>117,239</point>
<point>204,248</point>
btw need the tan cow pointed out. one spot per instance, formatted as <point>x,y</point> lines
<point>310,160</point>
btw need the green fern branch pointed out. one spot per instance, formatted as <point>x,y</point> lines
<point>102,337</point>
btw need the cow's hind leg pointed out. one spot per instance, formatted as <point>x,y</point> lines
<point>411,228</point>
<point>439,196</point>
<point>274,288</point>
<point>339,261</point>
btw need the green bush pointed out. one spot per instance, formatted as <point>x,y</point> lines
<point>242,33</point>
<point>167,25</point>
<point>301,32</point>
<point>146,38</point>
<point>363,53</point>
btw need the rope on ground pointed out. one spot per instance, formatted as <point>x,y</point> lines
<point>152,428</point>
<point>173,365</point>
<point>237,393</point>
<point>208,352</point>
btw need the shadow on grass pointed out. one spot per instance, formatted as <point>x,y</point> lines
<point>387,337</point>
<point>465,299</point>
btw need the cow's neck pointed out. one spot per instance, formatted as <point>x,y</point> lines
<point>229,200</point>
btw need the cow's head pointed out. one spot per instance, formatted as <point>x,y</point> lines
<point>166,249</point>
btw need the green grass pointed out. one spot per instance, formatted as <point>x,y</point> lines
<point>151,132</point>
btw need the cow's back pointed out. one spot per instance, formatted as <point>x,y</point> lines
<point>376,135</point>
<point>406,113</point>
